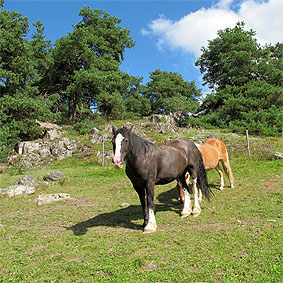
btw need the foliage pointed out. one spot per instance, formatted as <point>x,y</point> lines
<point>20,103</point>
<point>247,82</point>
<point>168,93</point>
<point>86,63</point>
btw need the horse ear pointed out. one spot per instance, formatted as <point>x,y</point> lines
<point>114,130</point>
<point>130,129</point>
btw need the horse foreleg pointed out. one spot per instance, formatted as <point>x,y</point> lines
<point>151,225</point>
<point>218,169</point>
<point>141,193</point>
<point>199,195</point>
<point>197,210</point>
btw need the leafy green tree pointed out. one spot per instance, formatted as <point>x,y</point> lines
<point>246,79</point>
<point>86,63</point>
<point>168,92</point>
<point>20,104</point>
<point>40,53</point>
<point>230,59</point>
<point>137,105</point>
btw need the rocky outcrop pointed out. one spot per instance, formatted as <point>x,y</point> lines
<point>38,153</point>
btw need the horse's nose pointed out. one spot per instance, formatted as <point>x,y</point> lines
<point>116,159</point>
<point>117,162</point>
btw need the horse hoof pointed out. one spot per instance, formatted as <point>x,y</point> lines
<point>185,215</point>
<point>196,212</point>
<point>232,187</point>
<point>221,188</point>
<point>149,229</point>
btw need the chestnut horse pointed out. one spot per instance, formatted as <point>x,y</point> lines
<point>213,150</point>
<point>148,165</point>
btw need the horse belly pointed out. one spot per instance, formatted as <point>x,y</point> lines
<point>170,169</point>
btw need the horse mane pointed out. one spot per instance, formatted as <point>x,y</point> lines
<point>139,145</point>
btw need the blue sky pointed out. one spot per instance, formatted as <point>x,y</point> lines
<point>168,34</point>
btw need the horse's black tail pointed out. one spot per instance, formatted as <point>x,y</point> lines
<point>202,179</point>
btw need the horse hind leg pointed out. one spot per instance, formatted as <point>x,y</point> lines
<point>228,171</point>
<point>218,169</point>
<point>197,210</point>
<point>187,209</point>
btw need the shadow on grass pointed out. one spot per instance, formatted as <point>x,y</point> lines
<point>124,217</point>
<point>168,201</point>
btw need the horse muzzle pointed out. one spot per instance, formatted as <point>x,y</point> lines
<point>118,163</point>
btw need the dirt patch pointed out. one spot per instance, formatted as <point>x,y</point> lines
<point>273,182</point>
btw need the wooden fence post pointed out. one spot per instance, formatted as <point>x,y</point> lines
<point>247,136</point>
<point>102,151</point>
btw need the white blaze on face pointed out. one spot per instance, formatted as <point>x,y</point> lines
<point>117,155</point>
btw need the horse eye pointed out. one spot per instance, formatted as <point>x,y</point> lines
<point>126,140</point>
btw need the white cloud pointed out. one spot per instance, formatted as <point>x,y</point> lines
<point>194,30</point>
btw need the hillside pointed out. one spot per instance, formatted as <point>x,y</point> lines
<point>96,235</point>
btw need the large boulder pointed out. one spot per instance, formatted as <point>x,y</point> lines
<point>27,180</point>
<point>17,190</point>
<point>52,132</point>
<point>54,176</point>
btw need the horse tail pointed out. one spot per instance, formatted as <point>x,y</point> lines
<point>202,179</point>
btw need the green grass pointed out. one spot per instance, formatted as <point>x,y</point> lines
<point>96,238</point>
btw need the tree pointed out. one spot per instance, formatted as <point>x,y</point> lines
<point>230,59</point>
<point>246,82</point>
<point>86,63</point>
<point>137,105</point>
<point>168,92</point>
<point>20,104</point>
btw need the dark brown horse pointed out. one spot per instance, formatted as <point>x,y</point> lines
<point>148,165</point>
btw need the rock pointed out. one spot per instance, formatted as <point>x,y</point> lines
<point>53,134</point>
<point>65,148</point>
<point>151,266</point>
<point>17,190</point>
<point>163,118</point>
<point>27,180</point>
<point>54,176</point>
<point>3,167</point>
<point>38,153</point>
<point>278,155</point>
<point>94,131</point>
<point>108,155</point>
<point>48,125</point>
<point>49,198</point>
<point>162,128</point>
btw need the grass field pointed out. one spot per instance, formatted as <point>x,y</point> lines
<point>97,236</point>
